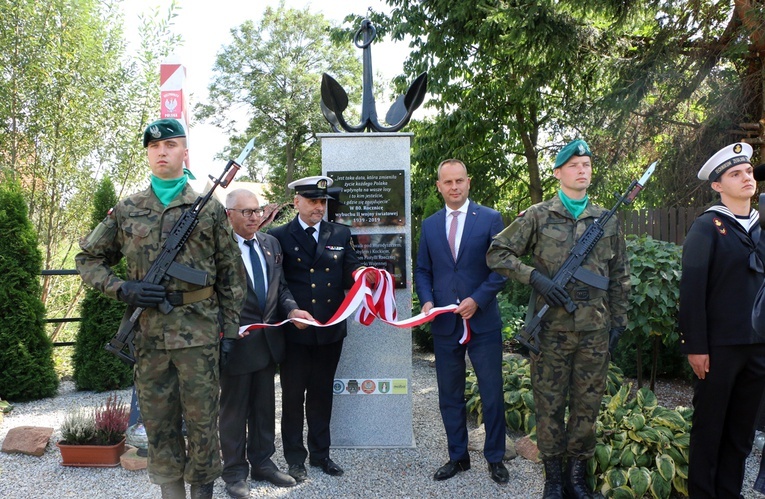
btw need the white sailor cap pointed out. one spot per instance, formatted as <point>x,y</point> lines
<point>727,157</point>
<point>312,187</point>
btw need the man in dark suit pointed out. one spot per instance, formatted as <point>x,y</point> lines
<point>248,364</point>
<point>451,269</point>
<point>319,262</point>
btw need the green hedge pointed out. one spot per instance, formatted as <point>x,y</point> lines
<point>26,362</point>
<point>95,368</point>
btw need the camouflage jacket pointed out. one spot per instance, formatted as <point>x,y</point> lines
<point>136,229</point>
<point>548,231</point>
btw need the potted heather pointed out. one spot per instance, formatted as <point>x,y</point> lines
<point>95,437</point>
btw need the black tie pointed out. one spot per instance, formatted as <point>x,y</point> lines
<point>312,240</point>
<point>259,281</point>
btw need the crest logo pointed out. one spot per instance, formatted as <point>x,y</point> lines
<point>338,387</point>
<point>321,184</point>
<point>154,131</point>
<point>171,104</point>
<point>719,226</point>
<point>368,386</point>
<point>353,386</point>
<point>737,148</point>
<point>581,150</point>
<point>384,386</point>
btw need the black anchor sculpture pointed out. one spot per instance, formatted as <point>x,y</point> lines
<point>334,100</point>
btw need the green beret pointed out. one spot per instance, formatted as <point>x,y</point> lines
<point>166,128</point>
<point>577,147</point>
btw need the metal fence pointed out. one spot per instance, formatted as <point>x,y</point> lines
<point>63,319</point>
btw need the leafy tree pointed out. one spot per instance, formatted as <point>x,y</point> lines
<point>508,80</point>
<point>25,350</point>
<point>95,368</point>
<point>514,80</point>
<point>74,104</point>
<point>272,73</point>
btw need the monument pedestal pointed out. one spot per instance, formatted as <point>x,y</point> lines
<point>373,399</point>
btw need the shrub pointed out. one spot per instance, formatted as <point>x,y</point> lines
<point>95,368</point>
<point>111,420</point>
<point>106,425</point>
<point>640,445</point>
<point>27,371</point>
<point>79,427</point>
<point>655,268</point>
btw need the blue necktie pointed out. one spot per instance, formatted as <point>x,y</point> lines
<point>259,281</point>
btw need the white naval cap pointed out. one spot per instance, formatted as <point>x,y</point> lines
<point>312,187</point>
<point>727,157</point>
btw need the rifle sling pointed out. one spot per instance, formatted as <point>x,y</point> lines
<point>177,298</point>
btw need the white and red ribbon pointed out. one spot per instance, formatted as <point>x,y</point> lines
<point>370,303</point>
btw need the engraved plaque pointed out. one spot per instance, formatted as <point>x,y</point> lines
<point>371,198</point>
<point>384,251</point>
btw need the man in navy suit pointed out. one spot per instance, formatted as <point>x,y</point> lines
<point>248,364</point>
<point>319,262</point>
<point>451,269</point>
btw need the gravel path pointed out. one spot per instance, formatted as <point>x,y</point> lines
<point>369,473</point>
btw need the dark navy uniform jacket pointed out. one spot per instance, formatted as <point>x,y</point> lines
<point>317,281</point>
<point>722,272</point>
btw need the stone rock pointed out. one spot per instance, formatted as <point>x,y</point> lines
<point>527,449</point>
<point>477,437</point>
<point>31,440</point>
<point>130,460</point>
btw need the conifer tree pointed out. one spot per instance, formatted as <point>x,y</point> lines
<point>26,362</point>
<point>95,368</point>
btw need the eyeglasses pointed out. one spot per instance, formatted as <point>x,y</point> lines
<point>248,212</point>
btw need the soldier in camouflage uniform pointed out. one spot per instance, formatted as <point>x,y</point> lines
<point>572,366</point>
<point>176,371</point>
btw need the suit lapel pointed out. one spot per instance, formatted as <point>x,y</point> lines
<point>441,229</point>
<point>270,255</point>
<point>299,234</point>
<point>324,233</point>
<point>470,220</point>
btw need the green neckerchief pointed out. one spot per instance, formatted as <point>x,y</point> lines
<point>574,206</point>
<point>166,190</point>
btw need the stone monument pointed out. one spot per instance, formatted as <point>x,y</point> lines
<point>373,390</point>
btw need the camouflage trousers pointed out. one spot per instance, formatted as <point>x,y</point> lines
<point>176,385</point>
<point>569,372</point>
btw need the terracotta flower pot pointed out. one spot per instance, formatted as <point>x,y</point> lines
<point>91,455</point>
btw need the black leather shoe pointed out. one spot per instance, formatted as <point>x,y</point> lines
<point>499,473</point>
<point>298,472</point>
<point>451,468</point>
<point>328,466</point>
<point>238,489</point>
<point>276,477</point>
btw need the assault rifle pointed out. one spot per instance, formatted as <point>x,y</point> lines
<point>572,267</point>
<point>165,265</point>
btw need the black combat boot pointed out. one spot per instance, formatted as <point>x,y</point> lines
<point>173,490</point>
<point>553,478</point>
<point>203,491</point>
<point>575,486</point>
